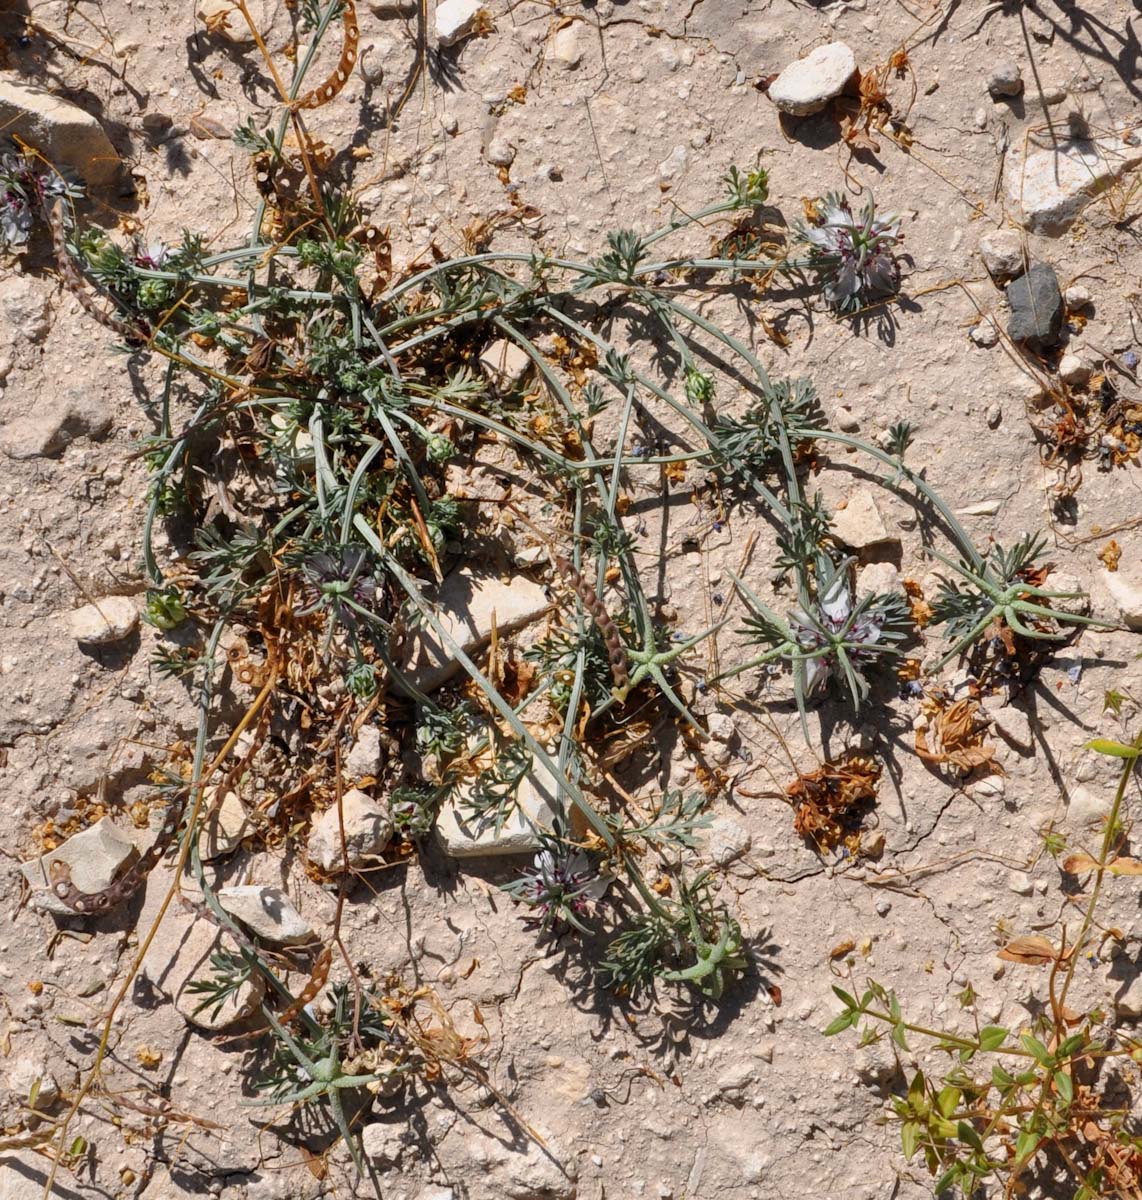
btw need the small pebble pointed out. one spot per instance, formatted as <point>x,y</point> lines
<point>883,908</point>
<point>1077,297</point>
<point>1005,79</point>
<point>1073,370</point>
<point>985,334</point>
<point>994,416</point>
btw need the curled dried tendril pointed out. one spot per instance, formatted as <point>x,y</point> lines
<point>325,92</point>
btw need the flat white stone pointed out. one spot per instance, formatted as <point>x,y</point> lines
<point>465,606</point>
<point>96,857</point>
<point>465,836</point>
<point>456,19</point>
<point>108,620</point>
<point>859,524</point>
<point>226,824</point>
<point>1126,590</point>
<point>268,913</point>
<point>505,362</point>
<point>68,136</point>
<point>807,85</point>
<point>1052,187</point>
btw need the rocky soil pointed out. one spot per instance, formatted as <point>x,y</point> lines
<point>1019,192</point>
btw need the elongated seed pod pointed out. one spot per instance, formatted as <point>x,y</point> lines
<point>325,92</point>
<point>74,280</point>
<point>616,655</point>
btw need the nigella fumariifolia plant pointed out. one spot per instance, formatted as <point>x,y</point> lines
<point>852,255</point>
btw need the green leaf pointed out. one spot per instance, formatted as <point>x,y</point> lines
<point>947,1100</point>
<point>1073,1043</point>
<point>966,1132</point>
<point>910,1137</point>
<point>942,1127</point>
<point>1026,1144</point>
<point>1001,1078</point>
<point>1036,1047</point>
<point>898,1036</point>
<point>991,1037</point>
<point>1112,748</point>
<point>1064,1086</point>
<point>949,1177</point>
<point>894,1007</point>
<point>841,1023</point>
<point>847,1000</point>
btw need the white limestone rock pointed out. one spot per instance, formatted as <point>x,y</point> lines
<point>227,823</point>
<point>456,19</point>
<point>1052,187</point>
<point>807,85</point>
<point>505,362</point>
<point>1125,588</point>
<point>1002,254</point>
<point>860,525</point>
<point>67,136</point>
<point>466,605</point>
<point>267,913</point>
<point>108,620</point>
<point>465,836</point>
<point>96,857</point>
<point>368,830</point>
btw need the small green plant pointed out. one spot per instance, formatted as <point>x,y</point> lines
<point>1015,1102</point>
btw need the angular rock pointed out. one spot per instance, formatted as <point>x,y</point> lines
<point>226,824</point>
<point>807,85</point>
<point>52,426</point>
<point>1002,254</point>
<point>1012,724</point>
<point>1054,186</point>
<point>456,19</point>
<point>465,836</point>
<point>1125,588</point>
<point>877,579</point>
<point>1077,297</point>
<point>67,136</point>
<point>108,620</point>
<point>859,524</point>
<point>466,605</point>
<point>28,1074</point>
<point>1073,370</point>
<point>1128,999</point>
<point>726,841</point>
<point>1077,603</point>
<point>267,913</point>
<point>180,955</point>
<point>384,1143</point>
<point>368,830</point>
<point>1036,308</point>
<point>721,727</point>
<point>367,758</point>
<point>96,856</point>
<point>26,307</point>
<point>1086,808</point>
<point>565,48</point>
<point>1005,79</point>
<point>505,362</point>
<point>500,152</point>
<point>985,334</point>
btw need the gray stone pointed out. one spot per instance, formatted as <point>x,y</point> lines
<point>1077,601</point>
<point>226,824</point>
<point>1005,79</point>
<point>807,85</point>
<point>368,830</point>
<point>55,423</point>
<point>96,857</point>
<point>859,524</point>
<point>465,836</point>
<point>67,136</point>
<point>1036,308</point>
<point>384,1144</point>
<point>1012,724</point>
<point>456,19</point>
<point>1002,254</point>
<point>108,620</point>
<point>465,607</point>
<point>267,913</point>
<point>1053,186</point>
<point>877,579</point>
<point>1077,297</point>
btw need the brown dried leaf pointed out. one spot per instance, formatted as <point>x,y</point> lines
<point>957,738</point>
<point>1078,864</point>
<point>842,948</point>
<point>1032,950</point>
<point>1125,866</point>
